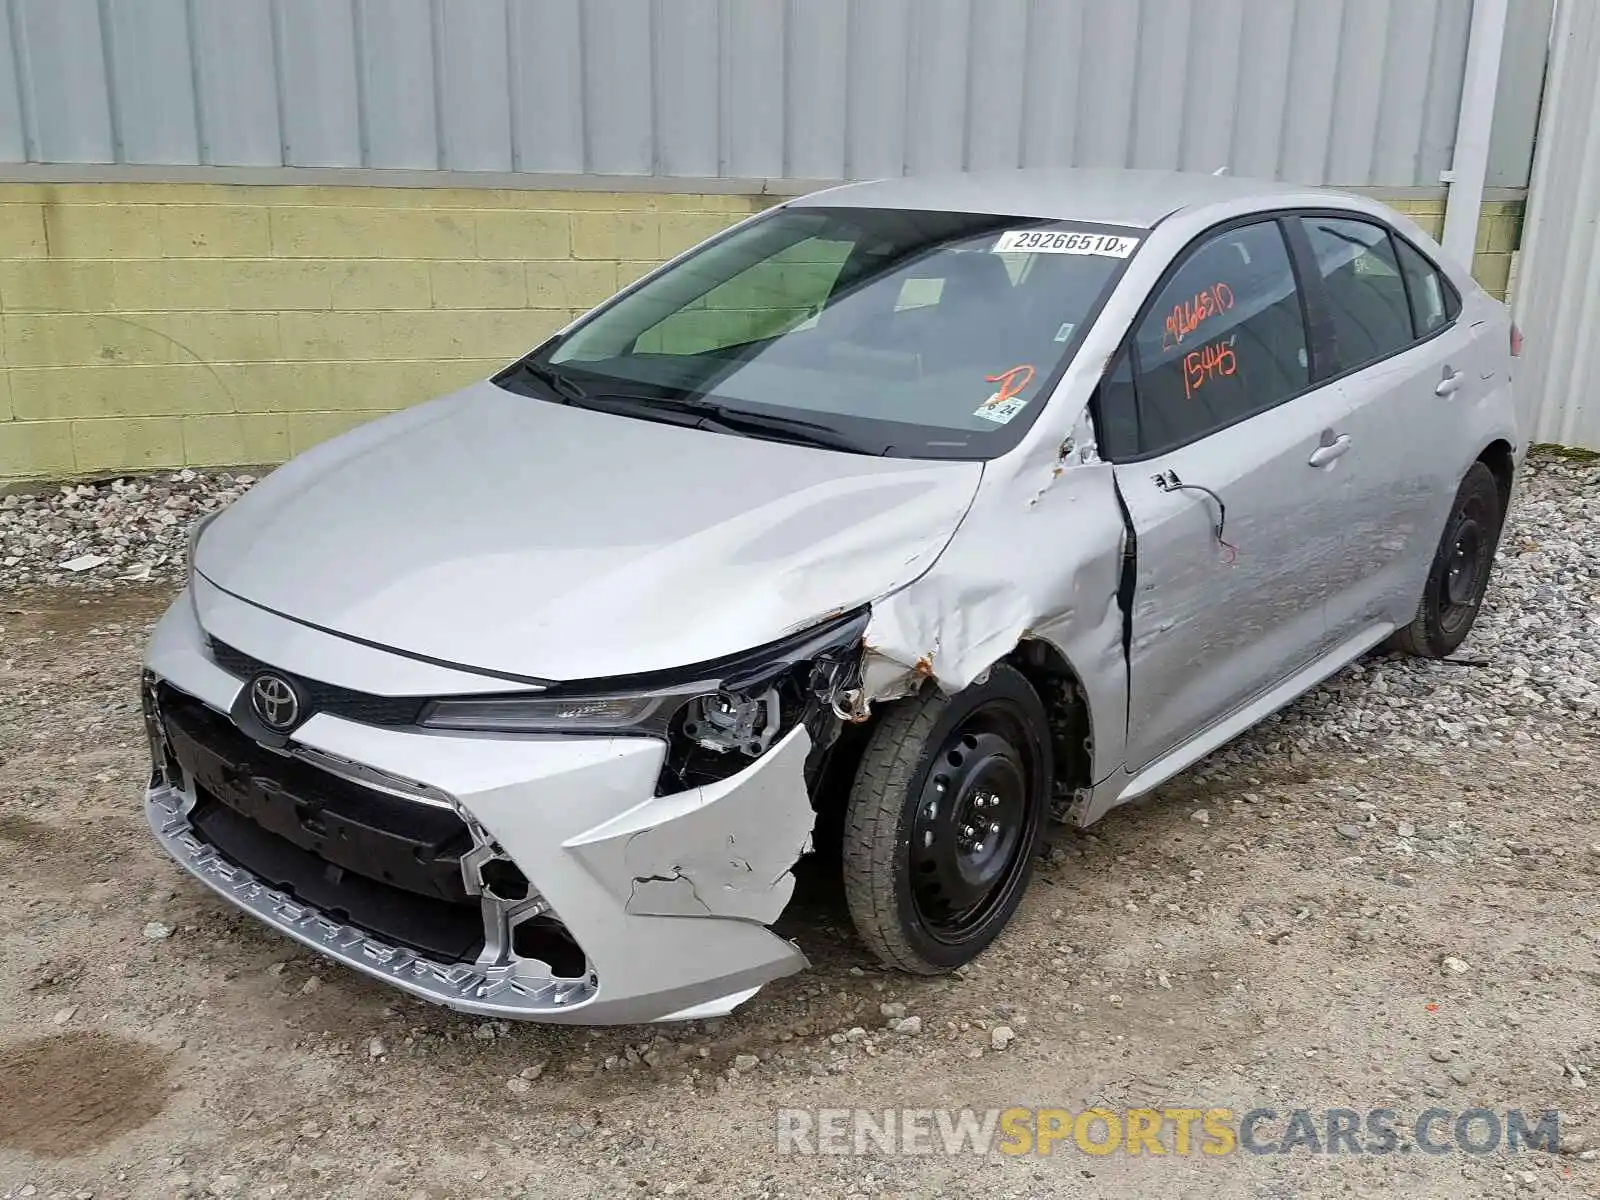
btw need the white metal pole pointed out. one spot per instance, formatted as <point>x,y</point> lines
<point>1471,164</point>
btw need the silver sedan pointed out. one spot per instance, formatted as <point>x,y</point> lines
<point>889,524</point>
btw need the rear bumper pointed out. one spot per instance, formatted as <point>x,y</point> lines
<point>666,898</point>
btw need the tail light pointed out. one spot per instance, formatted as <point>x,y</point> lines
<point>1516,341</point>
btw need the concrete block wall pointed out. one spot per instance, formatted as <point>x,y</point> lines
<point>147,326</point>
<point>1499,235</point>
<point>161,325</point>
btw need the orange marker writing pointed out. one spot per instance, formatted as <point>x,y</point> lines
<point>1012,383</point>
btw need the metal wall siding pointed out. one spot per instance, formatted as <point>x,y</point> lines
<point>474,77</point>
<point>1265,29</point>
<point>1358,92</point>
<point>152,85</point>
<point>817,89</point>
<point>996,77</point>
<point>547,74</point>
<point>13,143</point>
<point>753,88</point>
<point>1397,144</point>
<point>1050,95</point>
<point>879,36</point>
<point>936,130</point>
<point>687,96</point>
<point>618,86</point>
<point>236,69</point>
<point>1308,115</point>
<point>1557,299</point>
<point>1521,78</point>
<point>317,52</point>
<point>1161,83</point>
<point>401,118</point>
<point>1108,66</point>
<point>1364,33</point>
<point>1447,68</point>
<point>1211,96</point>
<point>61,67</point>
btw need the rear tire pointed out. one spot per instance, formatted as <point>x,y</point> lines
<point>1460,573</point>
<point>944,820</point>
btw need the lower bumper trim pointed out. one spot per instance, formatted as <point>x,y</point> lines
<point>492,991</point>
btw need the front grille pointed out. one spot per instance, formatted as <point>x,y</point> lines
<point>325,697</point>
<point>380,862</point>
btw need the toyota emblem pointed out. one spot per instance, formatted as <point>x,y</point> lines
<point>274,700</point>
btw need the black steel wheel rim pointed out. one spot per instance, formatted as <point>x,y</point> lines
<point>972,817</point>
<point>1466,568</point>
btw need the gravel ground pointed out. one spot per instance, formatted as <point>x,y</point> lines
<point>1385,896</point>
<point>107,535</point>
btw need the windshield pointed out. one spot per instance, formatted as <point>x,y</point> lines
<point>917,334</point>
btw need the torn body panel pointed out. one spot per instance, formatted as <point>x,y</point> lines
<point>724,850</point>
<point>1039,557</point>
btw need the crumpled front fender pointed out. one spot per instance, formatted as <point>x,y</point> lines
<point>1039,556</point>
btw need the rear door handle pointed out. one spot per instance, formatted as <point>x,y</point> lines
<point>1329,451</point>
<point>1450,382</point>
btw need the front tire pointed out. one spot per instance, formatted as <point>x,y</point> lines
<point>1460,573</point>
<point>944,820</point>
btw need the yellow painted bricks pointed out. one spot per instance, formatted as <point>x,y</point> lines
<point>156,325</point>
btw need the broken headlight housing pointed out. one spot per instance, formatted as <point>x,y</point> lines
<point>715,717</point>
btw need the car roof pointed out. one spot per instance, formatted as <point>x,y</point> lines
<point>1114,197</point>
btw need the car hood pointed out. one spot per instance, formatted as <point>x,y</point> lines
<point>510,534</point>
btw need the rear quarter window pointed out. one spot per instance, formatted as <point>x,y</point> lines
<point>1434,302</point>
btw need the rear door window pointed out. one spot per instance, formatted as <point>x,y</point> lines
<point>1225,339</point>
<point>1367,302</point>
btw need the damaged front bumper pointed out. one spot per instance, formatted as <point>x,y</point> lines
<point>535,877</point>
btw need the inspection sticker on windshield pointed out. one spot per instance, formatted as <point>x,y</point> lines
<point>1050,241</point>
<point>1001,411</point>
<point>1008,401</point>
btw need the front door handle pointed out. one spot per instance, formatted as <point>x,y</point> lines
<point>1329,451</point>
<point>1451,381</point>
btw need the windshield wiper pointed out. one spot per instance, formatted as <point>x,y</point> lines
<point>790,429</point>
<point>722,419</point>
<point>561,384</point>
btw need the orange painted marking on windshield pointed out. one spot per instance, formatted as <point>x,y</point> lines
<point>1012,383</point>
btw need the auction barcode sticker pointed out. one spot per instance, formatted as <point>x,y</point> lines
<point>1051,241</point>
